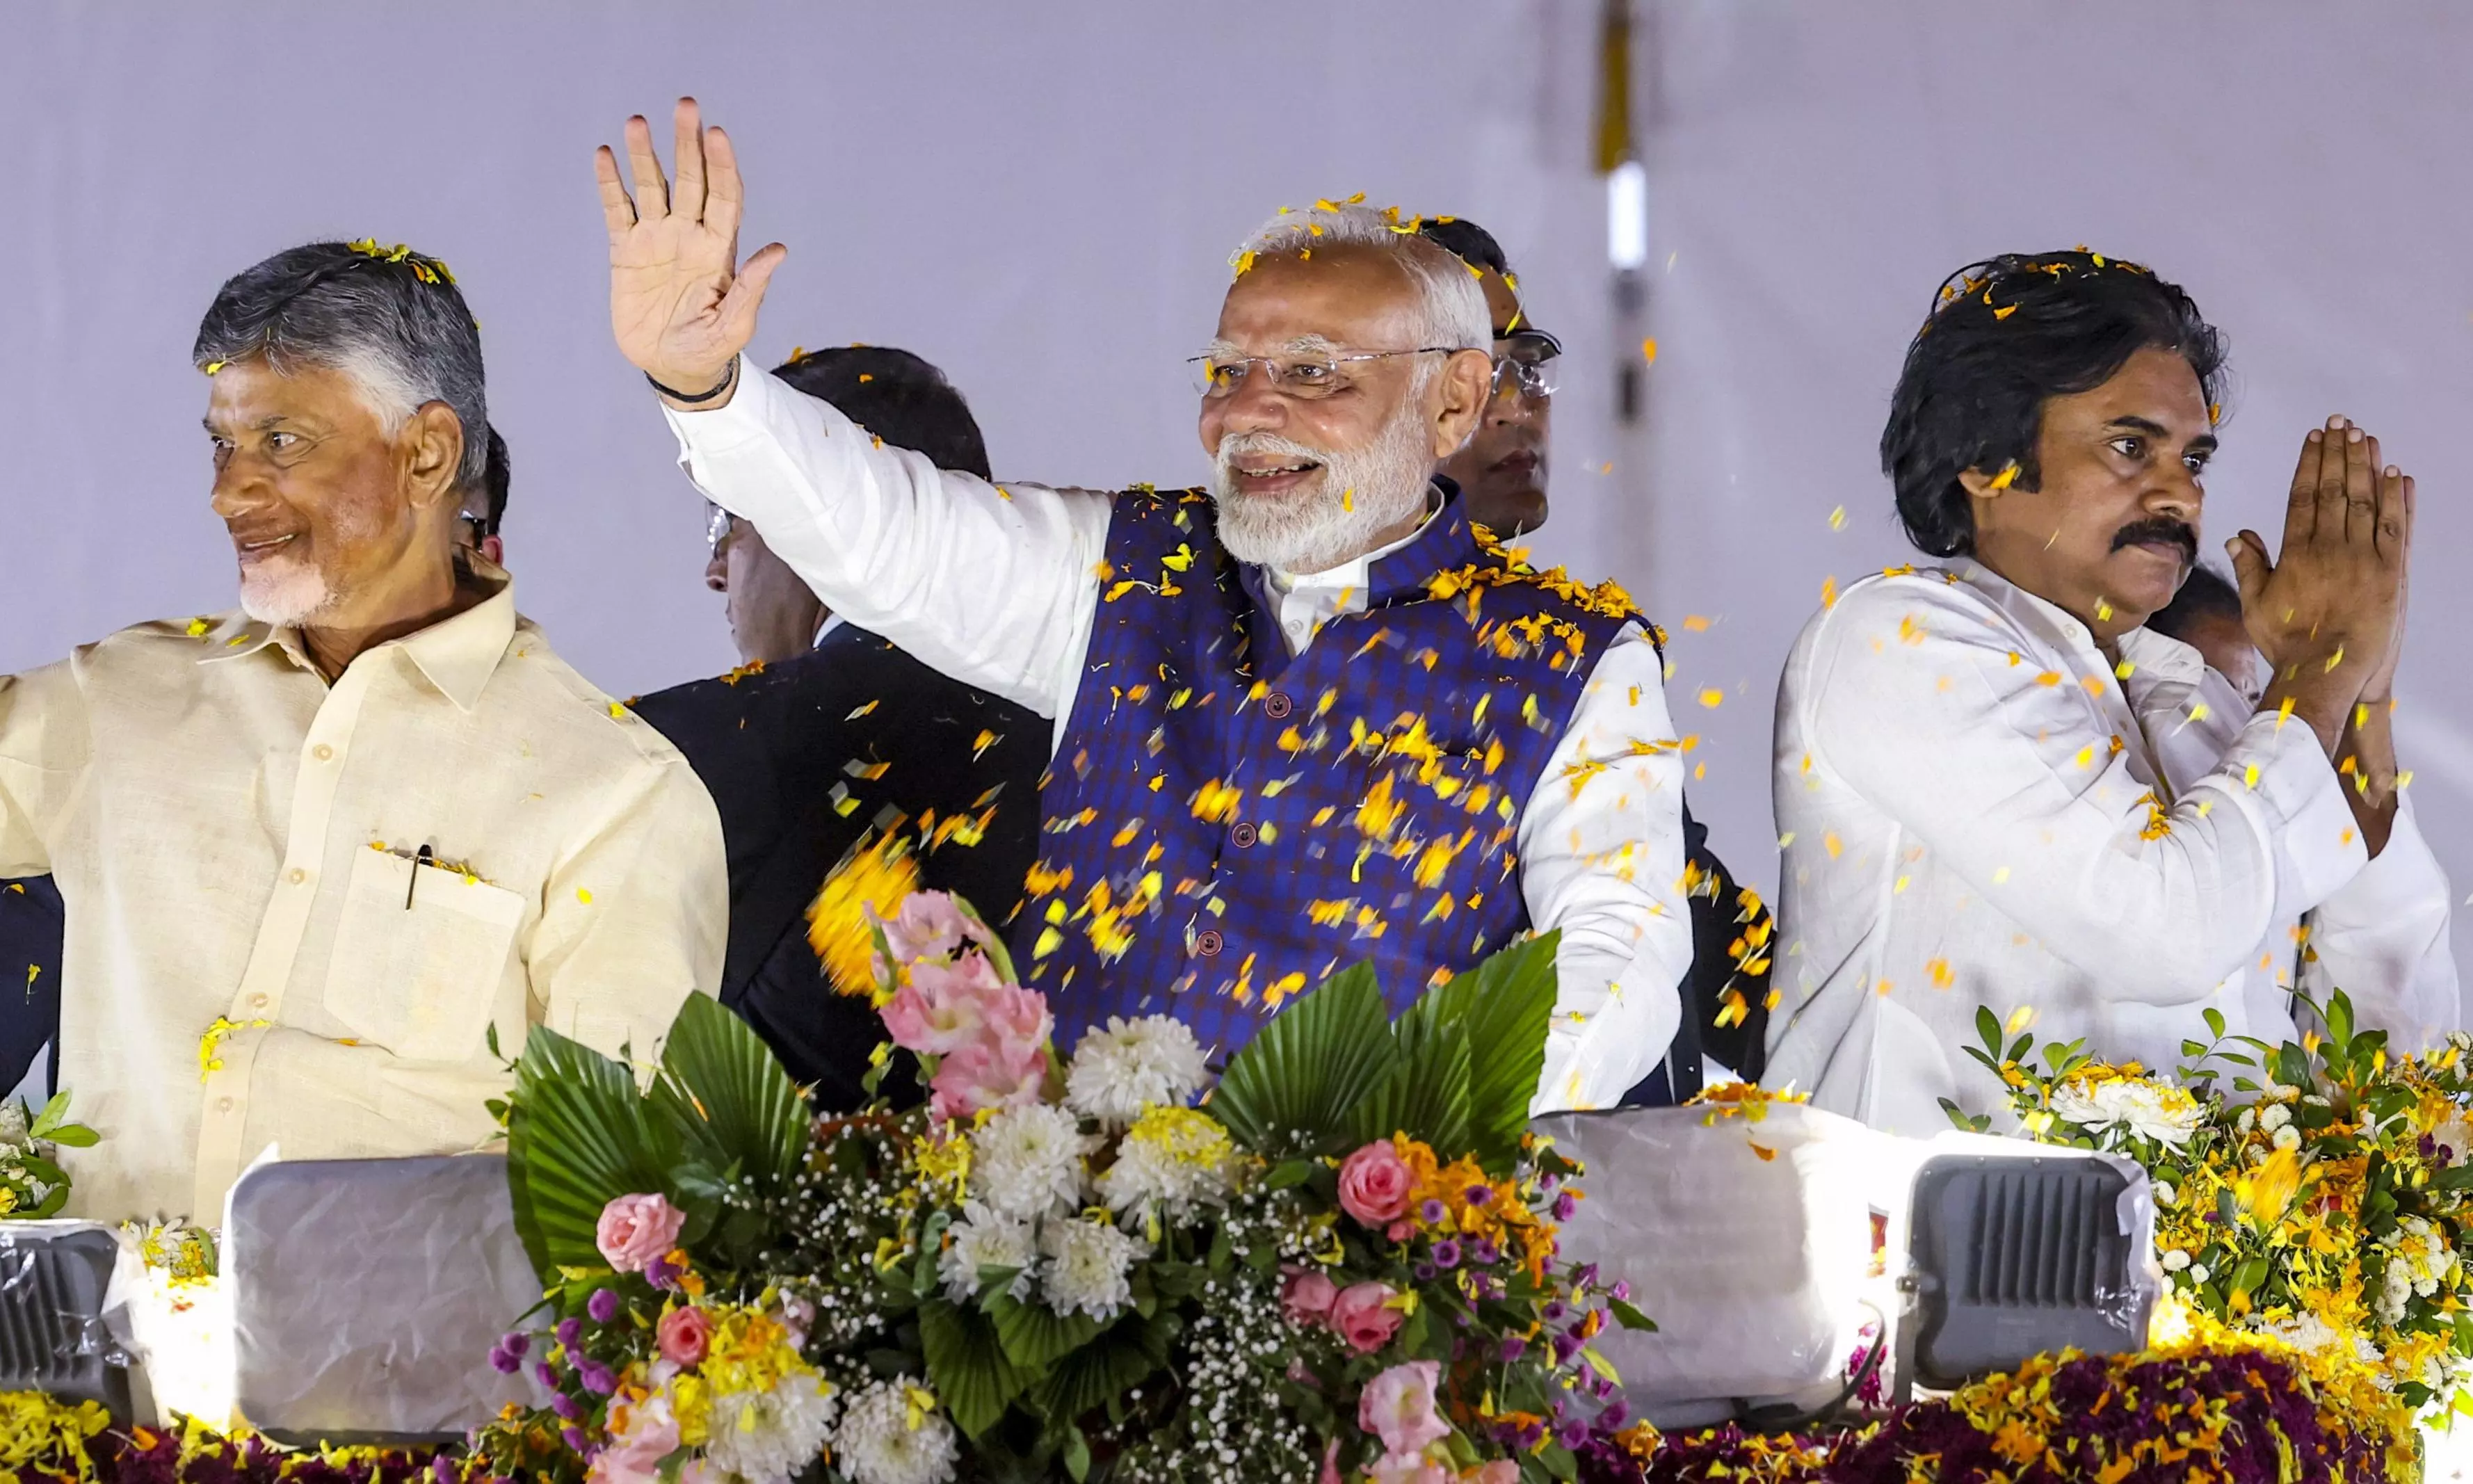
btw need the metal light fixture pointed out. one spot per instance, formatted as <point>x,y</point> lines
<point>52,1280</point>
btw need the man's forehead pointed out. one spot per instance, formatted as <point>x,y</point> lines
<point>253,393</point>
<point>1344,296</point>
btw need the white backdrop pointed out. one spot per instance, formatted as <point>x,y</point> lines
<point>1039,198</point>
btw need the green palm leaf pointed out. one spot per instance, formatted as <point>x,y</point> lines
<point>729,1097</point>
<point>968,1365</point>
<point>576,1139</point>
<point>1291,1087</point>
<point>1427,1095</point>
<point>1504,1006</point>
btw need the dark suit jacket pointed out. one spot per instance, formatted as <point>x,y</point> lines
<point>30,973</point>
<point>771,747</point>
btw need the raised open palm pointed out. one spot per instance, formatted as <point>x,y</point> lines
<point>680,303</point>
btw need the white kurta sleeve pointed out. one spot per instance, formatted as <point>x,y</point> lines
<point>993,585</point>
<point>1994,766</point>
<point>2384,941</point>
<point>1601,859</point>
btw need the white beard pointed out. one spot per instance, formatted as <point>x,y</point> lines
<point>283,592</point>
<point>1361,494</point>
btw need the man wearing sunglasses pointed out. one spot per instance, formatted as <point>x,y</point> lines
<point>1304,719</point>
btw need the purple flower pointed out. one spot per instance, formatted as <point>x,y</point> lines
<point>597,1379</point>
<point>1566,1346</point>
<point>1565,1205</point>
<point>662,1275</point>
<point>1424,1272</point>
<point>1484,1253</point>
<point>442,1471</point>
<point>543,1374</point>
<point>1617,1413</point>
<point>603,1306</point>
<point>1585,1275</point>
<point>572,1436</point>
<point>1513,1348</point>
<point>1447,1254</point>
<point>1555,1311</point>
<point>1431,1212</point>
<point>1574,1432</point>
<point>566,1406</point>
<point>1477,1195</point>
<point>570,1332</point>
<point>1622,1290</point>
<point>517,1344</point>
<point>1548,1181</point>
<point>502,1362</point>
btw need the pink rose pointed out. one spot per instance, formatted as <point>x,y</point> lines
<point>640,1437</point>
<point>1407,1469</point>
<point>684,1335</point>
<point>636,1231</point>
<point>1373,1183</point>
<point>1358,1317</point>
<point>1398,1406</point>
<point>928,925</point>
<point>945,1007</point>
<point>1307,1296</point>
<point>987,1076</point>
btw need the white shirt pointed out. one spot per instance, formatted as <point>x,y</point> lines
<point>253,957</point>
<point>999,586</point>
<point>1979,810</point>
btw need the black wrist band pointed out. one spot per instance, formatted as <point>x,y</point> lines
<point>729,379</point>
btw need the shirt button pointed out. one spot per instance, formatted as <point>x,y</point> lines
<point>1243,836</point>
<point>297,876</point>
<point>322,752</point>
<point>1276,705</point>
<point>1206,942</point>
<point>223,1105</point>
<point>1296,626</point>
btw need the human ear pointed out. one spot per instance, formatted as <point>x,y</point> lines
<point>431,447</point>
<point>1456,404</point>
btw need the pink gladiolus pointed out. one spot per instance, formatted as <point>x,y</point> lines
<point>646,1435</point>
<point>636,1229</point>
<point>927,926</point>
<point>1358,1317</point>
<point>987,1076</point>
<point>1502,1470</point>
<point>1407,1469</point>
<point>1017,1016</point>
<point>1398,1406</point>
<point>1374,1184</point>
<point>1329,1464</point>
<point>1307,1296</point>
<point>945,1007</point>
<point>684,1335</point>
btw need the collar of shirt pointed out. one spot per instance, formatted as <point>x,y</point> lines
<point>1305,601</point>
<point>458,653</point>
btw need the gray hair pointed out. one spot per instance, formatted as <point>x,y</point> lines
<point>1451,306</point>
<point>390,319</point>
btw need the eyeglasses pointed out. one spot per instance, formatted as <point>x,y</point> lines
<point>1304,377</point>
<point>1528,363</point>
<point>716,526</point>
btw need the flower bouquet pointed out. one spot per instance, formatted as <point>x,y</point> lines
<point>2318,1193</point>
<point>1341,1267</point>
<point>31,1184</point>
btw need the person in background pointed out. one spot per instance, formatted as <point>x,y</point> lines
<point>831,739</point>
<point>478,529</point>
<point>1502,474</point>
<point>312,852</point>
<point>2206,614</point>
<point>1275,730</point>
<point>1501,470</point>
<point>2000,792</point>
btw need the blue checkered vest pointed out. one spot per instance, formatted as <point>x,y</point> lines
<point>1226,825</point>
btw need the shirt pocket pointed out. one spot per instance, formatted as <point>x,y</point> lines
<point>418,964</point>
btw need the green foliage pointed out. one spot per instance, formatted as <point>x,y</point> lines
<point>1291,1088</point>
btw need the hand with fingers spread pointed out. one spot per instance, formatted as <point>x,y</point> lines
<point>680,303</point>
<point>2327,612</point>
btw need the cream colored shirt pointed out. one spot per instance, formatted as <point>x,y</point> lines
<point>253,958</point>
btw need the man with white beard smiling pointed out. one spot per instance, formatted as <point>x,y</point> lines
<point>317,849</point>
<point>1304,719</point>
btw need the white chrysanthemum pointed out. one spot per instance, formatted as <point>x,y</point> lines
<point>2274,1117</point>
<point>2302,1331</point>
<point>2156,1110</point>
<point>1088,1263</point>
<point>12,1122</point>
<point>2175,1260</point>
<point>1027,1161</point>
<point>765,1437</point>
<point>893,1436</point>
<point>985,1238</point>
<point>1170,1161</point>
<point>1132,1064</point>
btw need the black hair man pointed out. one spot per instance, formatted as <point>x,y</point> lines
<point>1999,790</point>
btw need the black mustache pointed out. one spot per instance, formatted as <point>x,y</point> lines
<point>2159,528</point>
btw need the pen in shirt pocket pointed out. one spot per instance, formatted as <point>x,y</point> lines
<point>413,884</point>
